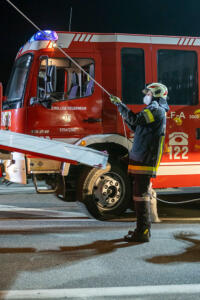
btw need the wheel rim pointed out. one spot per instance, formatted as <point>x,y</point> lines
<point>109,190</point>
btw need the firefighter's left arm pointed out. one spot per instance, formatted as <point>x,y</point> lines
<point>149,115</point>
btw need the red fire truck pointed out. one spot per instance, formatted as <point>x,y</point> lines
<point>50,97</point>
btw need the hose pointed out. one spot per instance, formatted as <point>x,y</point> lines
<point>176,203</point>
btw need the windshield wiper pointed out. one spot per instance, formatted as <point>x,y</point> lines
<point>8,104</point>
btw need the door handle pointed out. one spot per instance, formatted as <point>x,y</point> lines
<point>198,133</point>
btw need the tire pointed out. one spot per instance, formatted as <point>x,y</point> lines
<point>105,193</point>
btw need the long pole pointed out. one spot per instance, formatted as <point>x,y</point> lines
<point>60,49</point>
<point>70,19</point>
<point>64,53</point>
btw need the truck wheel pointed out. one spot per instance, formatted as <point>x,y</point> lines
<point>105,193</point>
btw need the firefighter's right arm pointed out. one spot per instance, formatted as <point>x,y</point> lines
<point>143,118</point>
<point>129,116</point>
<point>126,113</point>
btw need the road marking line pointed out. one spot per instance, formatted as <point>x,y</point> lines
<point>14,208</point>
<point>41,212</point>
<point>105,291</point>
<point>12,190</point>
<point>180,219</point>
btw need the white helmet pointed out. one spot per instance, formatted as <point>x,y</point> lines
<point>158,90</point>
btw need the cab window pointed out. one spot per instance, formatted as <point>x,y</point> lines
<point>63,80</point>
<point>133,75</point>
<point>177,69</point>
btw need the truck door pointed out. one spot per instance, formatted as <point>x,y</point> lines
<point>178,69</point>
<point>68,104</point>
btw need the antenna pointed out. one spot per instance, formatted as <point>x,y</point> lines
<point>70,19</point>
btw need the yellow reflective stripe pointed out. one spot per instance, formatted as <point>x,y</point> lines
<point>148,116</point>
<point>141,168</point>
<point>160,151</point>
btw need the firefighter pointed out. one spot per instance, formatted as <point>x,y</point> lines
<point>149,127</point>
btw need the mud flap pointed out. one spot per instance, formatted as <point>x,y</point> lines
<point>15,169</point>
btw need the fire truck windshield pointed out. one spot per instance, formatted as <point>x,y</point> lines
<point>17,83</point>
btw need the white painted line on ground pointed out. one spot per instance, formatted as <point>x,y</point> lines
<point>13,190</point>
<point>40,212</point>
<point>104,291</point>
<point>6,190</point>
<point>14,208</point>
<point>15,224</point>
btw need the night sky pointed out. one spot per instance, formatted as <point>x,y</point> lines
<point>165,17</point>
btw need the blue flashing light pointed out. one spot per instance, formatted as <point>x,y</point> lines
<point>46,35</point>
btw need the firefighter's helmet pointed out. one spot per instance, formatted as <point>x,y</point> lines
<point>158,90</point>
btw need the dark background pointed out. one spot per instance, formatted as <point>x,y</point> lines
<point>165,17</point>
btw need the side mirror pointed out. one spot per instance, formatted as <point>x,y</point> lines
<point>44,102</point>
<point>33,101</point>
<point>51,79</point>
<point>47,80</point>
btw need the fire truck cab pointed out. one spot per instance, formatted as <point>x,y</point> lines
<point>50,97</point>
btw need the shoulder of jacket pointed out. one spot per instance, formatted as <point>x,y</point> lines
<point>153,105</point>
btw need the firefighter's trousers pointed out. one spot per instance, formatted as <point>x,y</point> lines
<point>145,202</point>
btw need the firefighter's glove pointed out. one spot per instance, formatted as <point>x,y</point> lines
<point>115,100</point>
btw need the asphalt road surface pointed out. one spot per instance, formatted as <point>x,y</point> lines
<point>51,250</point>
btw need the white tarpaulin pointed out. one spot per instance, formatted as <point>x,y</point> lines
<point>51,149</point>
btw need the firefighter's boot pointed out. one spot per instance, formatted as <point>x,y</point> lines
<point>153,207</point>
<point>142,232</point>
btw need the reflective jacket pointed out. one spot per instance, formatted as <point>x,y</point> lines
<point>149,126</point>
